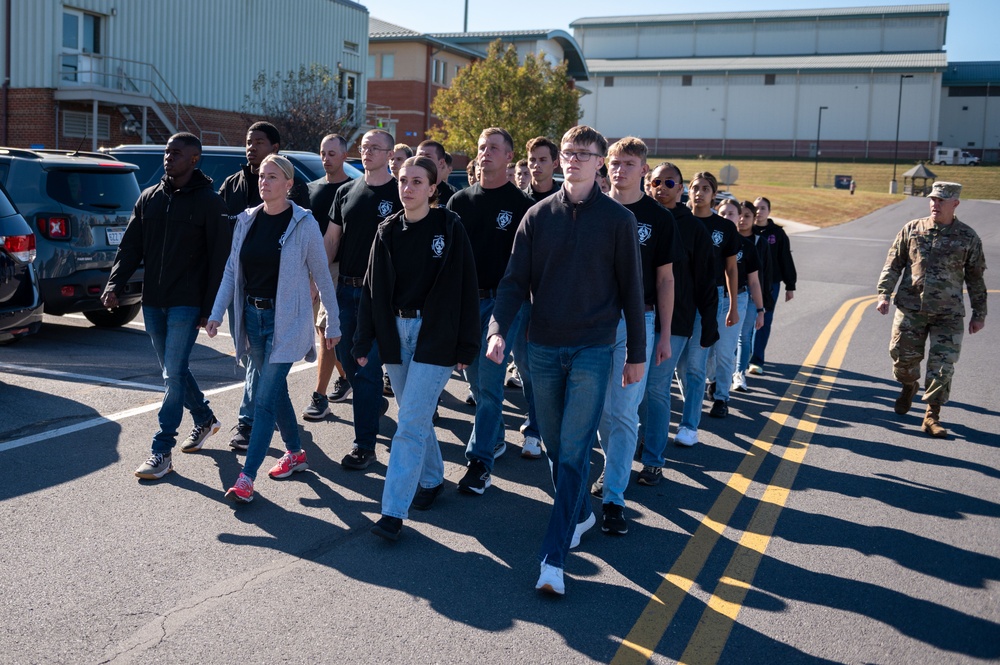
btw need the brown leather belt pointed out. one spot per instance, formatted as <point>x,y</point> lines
<point>408,313</point>
<point>352,281</point>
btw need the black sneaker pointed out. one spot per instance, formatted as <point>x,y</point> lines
<point>650,475</point>
<point>499,449</point>
<point>359,458</point>
<point>719,409</point>
<point>196,439</point>
<point>614,520</point>
<point>597,489</point>
<point>318,409</point>
<point>388,527</point>
<point>425,497</point>
<point>383,408</point>
<point>476,479</point>
<point>241,437</point>
<point>470,400</point>
<point>386,386</point>
<point>341,389</point>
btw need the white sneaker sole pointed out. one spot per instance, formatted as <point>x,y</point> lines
<point>216,426</point>
<point>155,476</point>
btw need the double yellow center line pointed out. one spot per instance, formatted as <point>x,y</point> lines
<point>709,637</point>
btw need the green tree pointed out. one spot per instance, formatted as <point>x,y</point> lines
<point>528,99</point>
<point>304,105</point>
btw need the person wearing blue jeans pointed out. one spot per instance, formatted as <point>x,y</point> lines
<point>561,244</point>
<point>781,269</point>
<point>532,446</point>
<point>421,303</point>
<point>179,229</point>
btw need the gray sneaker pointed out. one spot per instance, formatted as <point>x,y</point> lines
<point>341,389</point>
<point>196,439</point>
<point>154,468</point>
<point>318,409</point>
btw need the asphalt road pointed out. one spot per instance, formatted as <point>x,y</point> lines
<point>812,525</point>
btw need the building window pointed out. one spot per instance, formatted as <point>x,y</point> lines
<point>965,108</point>
<point>438,76</point>
<point>78,125</point>
<point>370,72</point>
<point>350,47</point>
<point>388,65</point>
<point>81,39</point>
<point>768,79</point>
<point>686,80</point>
<point>971,144</point>
<point>609,81</point>
<point>458,68</point>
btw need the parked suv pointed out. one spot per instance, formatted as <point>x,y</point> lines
<point>78,205</point>
<point>20,297</point>
<point>217,162</point>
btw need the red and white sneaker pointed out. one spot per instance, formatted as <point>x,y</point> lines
<point>242,491</point>
<point>288,464</point>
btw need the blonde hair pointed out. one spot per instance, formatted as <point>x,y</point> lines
<point>282,163</point>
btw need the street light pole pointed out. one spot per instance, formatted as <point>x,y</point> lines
<point>465,24</point>
<point>818,126</point>
<point>899,111</point>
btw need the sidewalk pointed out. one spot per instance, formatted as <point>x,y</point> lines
<point>791,228</point>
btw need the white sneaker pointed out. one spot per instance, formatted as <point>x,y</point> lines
<point>755,369</point>
<point>551,580</point>
<point>532,447</point>
<point>739,382</point>
<point>578,532</point>
<point>514,380</point>
<point>686,437</point>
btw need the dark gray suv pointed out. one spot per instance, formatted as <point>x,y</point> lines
<point>20,298</point>
<point>77,205</point>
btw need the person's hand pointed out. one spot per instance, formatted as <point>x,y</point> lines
<point>331,342</point>
<point>759,323</point>
<point>789,295</point>
<point>882,306</point>
<point>212,328</point>
<point>663,349</point>
<point>632,373</point>
<point>109,300</point>
<point>732,317</point>
<point>495,349</point>
<point>202,322</point>
<point>976,326</point>
<point>313,292</point>
<point>361,361</point>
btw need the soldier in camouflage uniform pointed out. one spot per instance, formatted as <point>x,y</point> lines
<point>935,256</point>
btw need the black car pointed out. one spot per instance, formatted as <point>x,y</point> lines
<point>20,297</point>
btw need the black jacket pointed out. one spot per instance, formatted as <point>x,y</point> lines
<point>694,279</point>
<point>764,274</point>
<point>782,265</point>
<point>183,237</point>
<point>240,192</point>
<point>450,332</point>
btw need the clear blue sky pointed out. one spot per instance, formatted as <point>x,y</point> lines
<point>972,24</point>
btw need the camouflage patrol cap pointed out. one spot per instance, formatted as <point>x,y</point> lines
<point>945,191</point>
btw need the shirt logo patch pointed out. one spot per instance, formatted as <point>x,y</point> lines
<point>771,240</point>
<point>437,246</point>
<point>645,231</point>
<point>739,256</point>
<point>716,238</point>
<point>384,208</point>
<point>504,219</point>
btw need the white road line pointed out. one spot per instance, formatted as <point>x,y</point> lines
<point>115,417</point>
<point>89,378</point>
<point>141,326</point>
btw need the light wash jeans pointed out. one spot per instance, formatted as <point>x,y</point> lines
<point>272,403</point>
<point>250,378</point>
<point>745,345</point>
<point>691,374</point>
<point>618,431</point>
<point>654,412</point>
<point>416,454</point>
<point>570,384</point>
<point>173,331</point>
<point>725,347</point>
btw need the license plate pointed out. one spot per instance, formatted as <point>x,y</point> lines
<point>115,236</point>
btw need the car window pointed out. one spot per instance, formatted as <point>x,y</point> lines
<point>310,165</point>
<point>6,207</point>
<point>220,167</point>
<point>95,190</point>
<point>4,170</point>
<point>148,162</point>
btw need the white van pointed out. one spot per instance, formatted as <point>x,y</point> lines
<point>954,156</point>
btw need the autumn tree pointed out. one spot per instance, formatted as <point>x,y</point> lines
<point>528,99</point>
<point>304,105</point>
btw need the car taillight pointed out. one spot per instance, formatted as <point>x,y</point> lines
<point>21,248</point>
<point>55,228</point>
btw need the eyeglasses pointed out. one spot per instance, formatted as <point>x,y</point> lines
<point>581,155</point>
<point>373,148</point>
<point>668,183</point>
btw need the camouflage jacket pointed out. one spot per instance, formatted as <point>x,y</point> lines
<point>932,262</point>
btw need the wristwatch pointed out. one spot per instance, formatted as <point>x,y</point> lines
<point>760,310</point>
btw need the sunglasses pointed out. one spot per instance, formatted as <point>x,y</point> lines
<point>668,183</point>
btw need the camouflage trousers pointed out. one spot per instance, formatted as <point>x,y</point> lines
<point>910,334</point>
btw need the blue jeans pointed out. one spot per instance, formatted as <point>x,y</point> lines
<point>273,405</point>
<point>570,385</point>
<point>416,454</point>
<point>519,350</point>
<point>486,379</point>
<point>725,346</point>
<point>655,417</point>
<point>745,344</point>
<point>764,334</point>
<point>691,373</point>
<point>618,431</point>
<point>366,381</point>
<point>173,331</point>
<point>250,379</point>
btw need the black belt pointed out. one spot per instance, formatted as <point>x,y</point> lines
<point>408,313</point>
<point>352,281</point>
<point>260,303</point>
<point>487,293</point>
<point>725,293</point>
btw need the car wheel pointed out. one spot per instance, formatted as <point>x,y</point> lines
<point>113,318</point>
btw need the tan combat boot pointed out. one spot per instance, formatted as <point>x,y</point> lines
<point>905,399</point>
<point>932,422</point>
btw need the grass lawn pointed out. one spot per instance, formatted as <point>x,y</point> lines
<point>788,184</point>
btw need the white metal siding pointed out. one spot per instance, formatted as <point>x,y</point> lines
<point>666,41</point>
<point>913,34</point>
<point>714,39</point>
<point>852,36</point>
<point>786,37</point>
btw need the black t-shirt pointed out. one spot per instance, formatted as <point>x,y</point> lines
<point>358,209</point>
<point>321,195</point>
<point>538,196</point>
<point>444,193</point>
<point>746,260</point>
<point>658,241</point>
<point>725,239</point>
<point>417,252</point>
<point>490,218</point>
<point>261,253</point>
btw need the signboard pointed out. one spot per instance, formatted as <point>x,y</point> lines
<point>842,181</point>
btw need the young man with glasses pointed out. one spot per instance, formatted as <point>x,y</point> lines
<point>562,244</point>
<point>357,211</point>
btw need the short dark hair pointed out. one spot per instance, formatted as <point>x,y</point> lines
<point>499,131</point>
<point>748,205</point>
<point>765,200</point>
<point>543,142</point>
<point>438,148</point>
<point>269,130</point>
<point>705,175</point>
<point>335,137</point>
<point>381,132</point>
<point>672,166</point>
<point>447,158</point>
<point>584,135</point>
<point>427,164</point>
<point>187,139</point>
